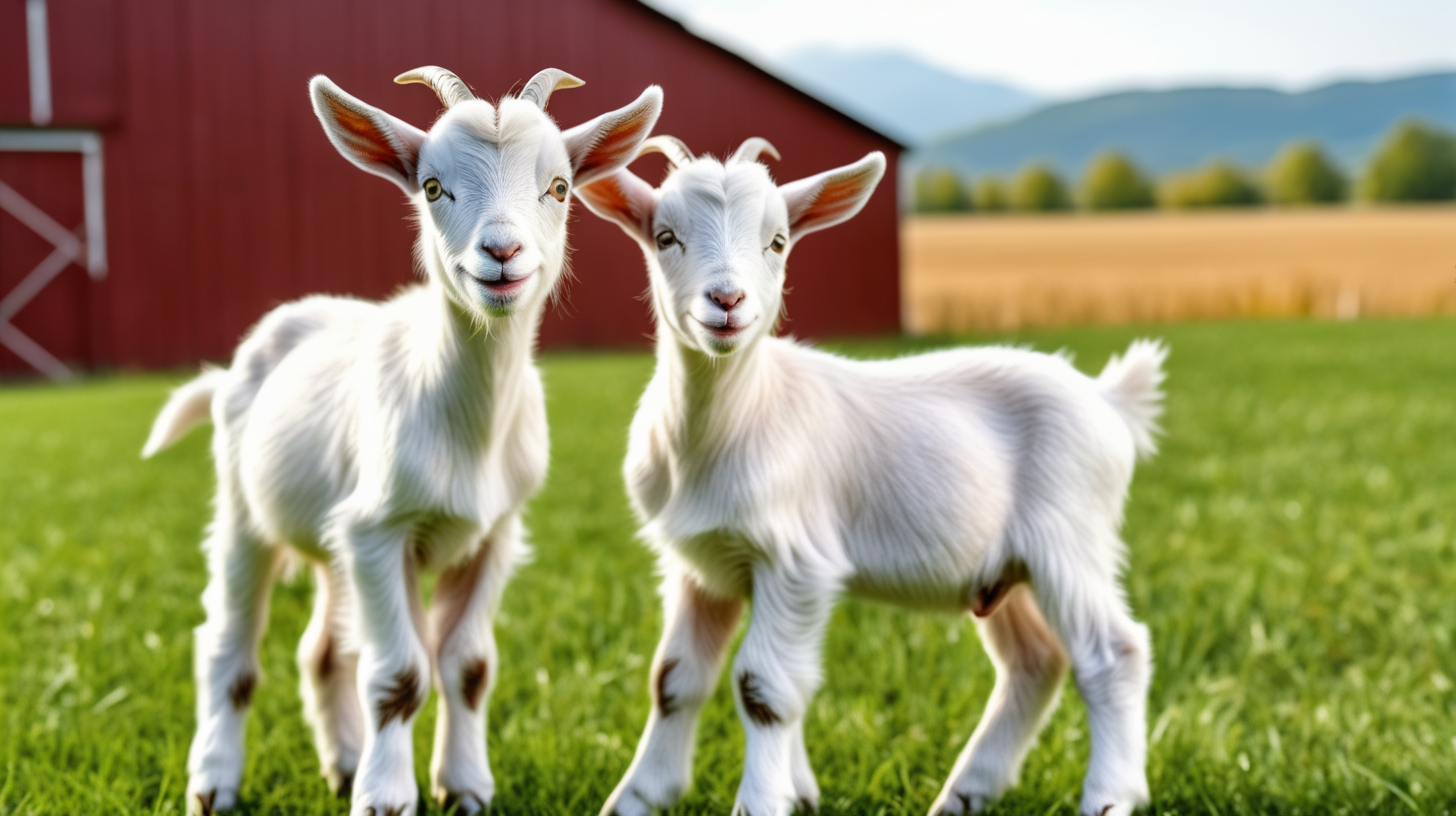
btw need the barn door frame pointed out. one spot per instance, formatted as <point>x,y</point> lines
<point>85,245</point>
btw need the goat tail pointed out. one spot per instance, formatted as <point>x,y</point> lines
<point>189,405</point>
<point>1132,385</point>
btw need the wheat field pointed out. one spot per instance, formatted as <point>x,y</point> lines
<point>999,273</point>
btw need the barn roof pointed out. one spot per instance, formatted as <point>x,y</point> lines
<point>754,66</point>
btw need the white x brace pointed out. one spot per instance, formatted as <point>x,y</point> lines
<point>85,245</point>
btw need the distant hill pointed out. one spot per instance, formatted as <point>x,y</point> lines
<point>1171,130</point>
<point>901,96</point>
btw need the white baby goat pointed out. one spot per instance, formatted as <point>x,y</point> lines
<point>377,439</point>
<point>987,480</point>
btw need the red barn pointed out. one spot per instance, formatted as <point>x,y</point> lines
<point>168,147</point>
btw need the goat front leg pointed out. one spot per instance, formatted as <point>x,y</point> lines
<point>242,569</point>
<point>466,600</point>
<point>394,667</point>
<point>696,629</point>
<point>775,675</point>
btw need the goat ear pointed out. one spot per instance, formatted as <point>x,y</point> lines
<point>367,136</point>
<point>624,199</point>
<point>609,142</point>
<point>832,196</point>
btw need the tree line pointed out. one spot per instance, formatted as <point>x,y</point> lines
<point>1415,162</point>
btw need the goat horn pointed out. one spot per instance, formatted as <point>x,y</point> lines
<point>672,147</point>
<point>451,90</point>
<point>752,148</point>
<point>539,89</point>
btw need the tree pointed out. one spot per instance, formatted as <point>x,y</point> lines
<point>939,190</point>
<point>1038,189</point>
<point>1416,162</point>
<point>1302,174</point>
<point>1218,184</point>
<point>1113,182</point>
<point>989,195</point>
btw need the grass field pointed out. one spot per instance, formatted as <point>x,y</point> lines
<point>1291,549</point>
<point>1000,273</point>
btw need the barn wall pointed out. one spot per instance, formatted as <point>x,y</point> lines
<point>224,197</point>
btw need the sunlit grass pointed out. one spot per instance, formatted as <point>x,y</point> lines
<point>1291,549</point>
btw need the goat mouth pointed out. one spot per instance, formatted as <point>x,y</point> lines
<point>502,287</point>
<point>727,331</point>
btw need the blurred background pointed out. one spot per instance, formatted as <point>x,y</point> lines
<point>163,182</point>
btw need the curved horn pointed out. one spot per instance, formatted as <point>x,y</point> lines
<point>451,90</point>
<point>672,147</point>
<point>539,89</point>
<point>752,148</point>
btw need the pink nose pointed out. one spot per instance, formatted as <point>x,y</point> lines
<point>726,300</point>
<point>502,253</point>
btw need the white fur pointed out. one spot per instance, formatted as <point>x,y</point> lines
<point>377,439</point>
<point>764,469</point>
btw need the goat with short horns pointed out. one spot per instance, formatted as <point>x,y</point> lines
<point>988,481</point>
<point>376,439</point>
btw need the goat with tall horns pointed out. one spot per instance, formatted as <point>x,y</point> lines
<point>372,440</point>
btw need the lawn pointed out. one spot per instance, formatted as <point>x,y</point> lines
<point>1291,549</point>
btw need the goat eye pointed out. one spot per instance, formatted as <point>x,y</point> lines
<point>433,189</point>
<point>665,239</point>
<point>558,189</point>
<point>779,242</point>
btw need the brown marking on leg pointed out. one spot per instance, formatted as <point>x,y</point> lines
<point>205,800</point>
<point>714,619</point>
<point>990,596</point>
<point>666,703</point>
<point>324,657</point>
<point>402,699</point>
<point>987,599</point>
<point>754,705</point>
<point>472,682</point>
<point>241,691</point>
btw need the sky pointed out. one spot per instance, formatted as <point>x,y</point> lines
<point>1071,48</point>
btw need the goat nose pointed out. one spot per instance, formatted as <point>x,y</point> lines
<point>502,252</point>
<point>726,299</point>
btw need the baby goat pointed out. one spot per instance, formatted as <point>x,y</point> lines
<point>377,439</point>
<point>987,480</point>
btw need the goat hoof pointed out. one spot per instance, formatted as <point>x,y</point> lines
<point>341,782</point>
<point>211,801</point>
<point>462,803</point>
<point>956,803</point>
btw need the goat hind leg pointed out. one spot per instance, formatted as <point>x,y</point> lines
<point>241,573</point>
<point>1112,664</point>
<point>1030,666</point>
<point>327,670</point>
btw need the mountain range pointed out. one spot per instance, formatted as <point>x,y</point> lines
<point>1177,129</point>
<point>901,96</point>
<point>979,126</point>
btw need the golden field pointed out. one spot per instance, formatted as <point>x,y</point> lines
<point>998,272</point>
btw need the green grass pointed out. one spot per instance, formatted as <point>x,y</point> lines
<point>1291,549</point>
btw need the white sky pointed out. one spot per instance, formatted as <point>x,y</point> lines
<point>1064,48</point>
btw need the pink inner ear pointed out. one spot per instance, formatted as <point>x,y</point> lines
<point>837,196</point>
<point>622,197</point>
<point>614,146</point>
<point>362,136</point>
